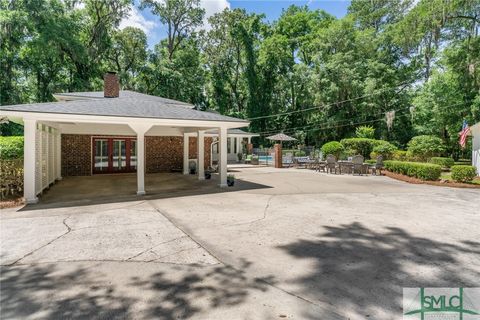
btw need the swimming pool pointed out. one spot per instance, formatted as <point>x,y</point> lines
<point>265,158</point>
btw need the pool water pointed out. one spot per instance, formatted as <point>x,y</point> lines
<point>265,158</point>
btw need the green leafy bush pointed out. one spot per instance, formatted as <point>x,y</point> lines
<point>11,178</point>
<point>361,146</point>
<point>332,147</point>
<point>443,162</point>
<point>367,132</point>
<point>399,155</point>
<point>423,171</point>
<point>383,148</point>
<point>11,148</point>
<point>463,173</point>
<point>425,147</point>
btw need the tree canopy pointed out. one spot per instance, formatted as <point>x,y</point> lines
<point>308,74</point>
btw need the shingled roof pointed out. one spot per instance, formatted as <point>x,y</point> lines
<point>128,104</point>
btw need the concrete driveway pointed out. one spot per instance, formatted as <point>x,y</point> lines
<point>300,245</point>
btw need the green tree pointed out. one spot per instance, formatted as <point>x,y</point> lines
<point>128,56</point>
<point>180,16</point>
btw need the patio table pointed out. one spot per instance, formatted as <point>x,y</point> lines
<point>346,166</point>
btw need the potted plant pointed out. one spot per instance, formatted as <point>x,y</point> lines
<point>230,180</point>
<point>208,174</point>
<point>239,156</point>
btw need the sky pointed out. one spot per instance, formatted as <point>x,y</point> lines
<point>272,9</point>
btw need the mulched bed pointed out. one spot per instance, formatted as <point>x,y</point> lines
<point>11,203</point>
<point>441,183</point>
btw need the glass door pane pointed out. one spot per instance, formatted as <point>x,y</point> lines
<point>133,154</point>
<point>119,155</point>
<point>101,155</point>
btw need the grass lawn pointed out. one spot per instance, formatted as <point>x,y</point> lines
<point>448,176</point>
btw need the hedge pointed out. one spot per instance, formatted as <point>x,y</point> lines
<point>11,178</point>
<point>423,171</point>
<point>332,147</point>
<point>11,148</point>
<point>443,162</point>
<point>463,173</point>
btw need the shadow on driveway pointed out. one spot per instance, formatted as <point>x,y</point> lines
<point>364,270</point>
<point>178,292</point>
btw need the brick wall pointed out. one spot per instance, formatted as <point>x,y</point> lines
<point>76,155</point>
<point>165,154</point>
<point>162,154</point>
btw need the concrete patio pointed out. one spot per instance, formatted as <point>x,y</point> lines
<point>280,244</point>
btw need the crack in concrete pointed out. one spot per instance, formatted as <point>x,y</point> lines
<point>159,244</point>
<point>233,267</point>
<point>267,205</point>
<point>69,229</point>
<point>174,253</point>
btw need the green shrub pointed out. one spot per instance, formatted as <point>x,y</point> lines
<point>399,155</point>
<point>463,173</point>
<point>383,148</point>
<point>367,132</point>
<point>423,171</point>
<point>443,162</point>
<point>299,153</point>
<point>11,148</point>
<point>11,178</point>
<point>361,146</point>
<point>332,147</point>
<point>425,147</point>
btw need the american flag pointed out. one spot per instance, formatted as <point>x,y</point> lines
<point>464,133</point>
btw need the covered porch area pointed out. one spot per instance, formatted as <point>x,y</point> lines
<point>115,187</point>
<point>45,161</point>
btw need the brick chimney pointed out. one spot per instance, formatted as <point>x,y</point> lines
<point>111,86</point>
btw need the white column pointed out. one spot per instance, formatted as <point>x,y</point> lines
<point>186,140</point>
<point>249,140</point>
<point>476,150</point>
<point>58,159</point>
<point>140,164</point>
<point>201,155</point>
<point>222,144</point>
<point>239,145</point>
<point>29,155</point>
<point>140,129</point>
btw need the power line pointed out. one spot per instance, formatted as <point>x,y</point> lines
<point>322,106</point>
<point>345,125</point>
<point>321,123</point>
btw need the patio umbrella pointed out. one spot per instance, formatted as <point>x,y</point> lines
<point>281,137</point>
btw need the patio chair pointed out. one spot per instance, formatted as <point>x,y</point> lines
<point>377,166</point>
<point>287,160</point>
<point>301,161</point>
<point>320,165</point>
<point>331,164</point>
<point>248,159</point>
<point>357,166</point>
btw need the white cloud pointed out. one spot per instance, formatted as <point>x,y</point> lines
<point>137,20</point>
<point>211,7</point>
